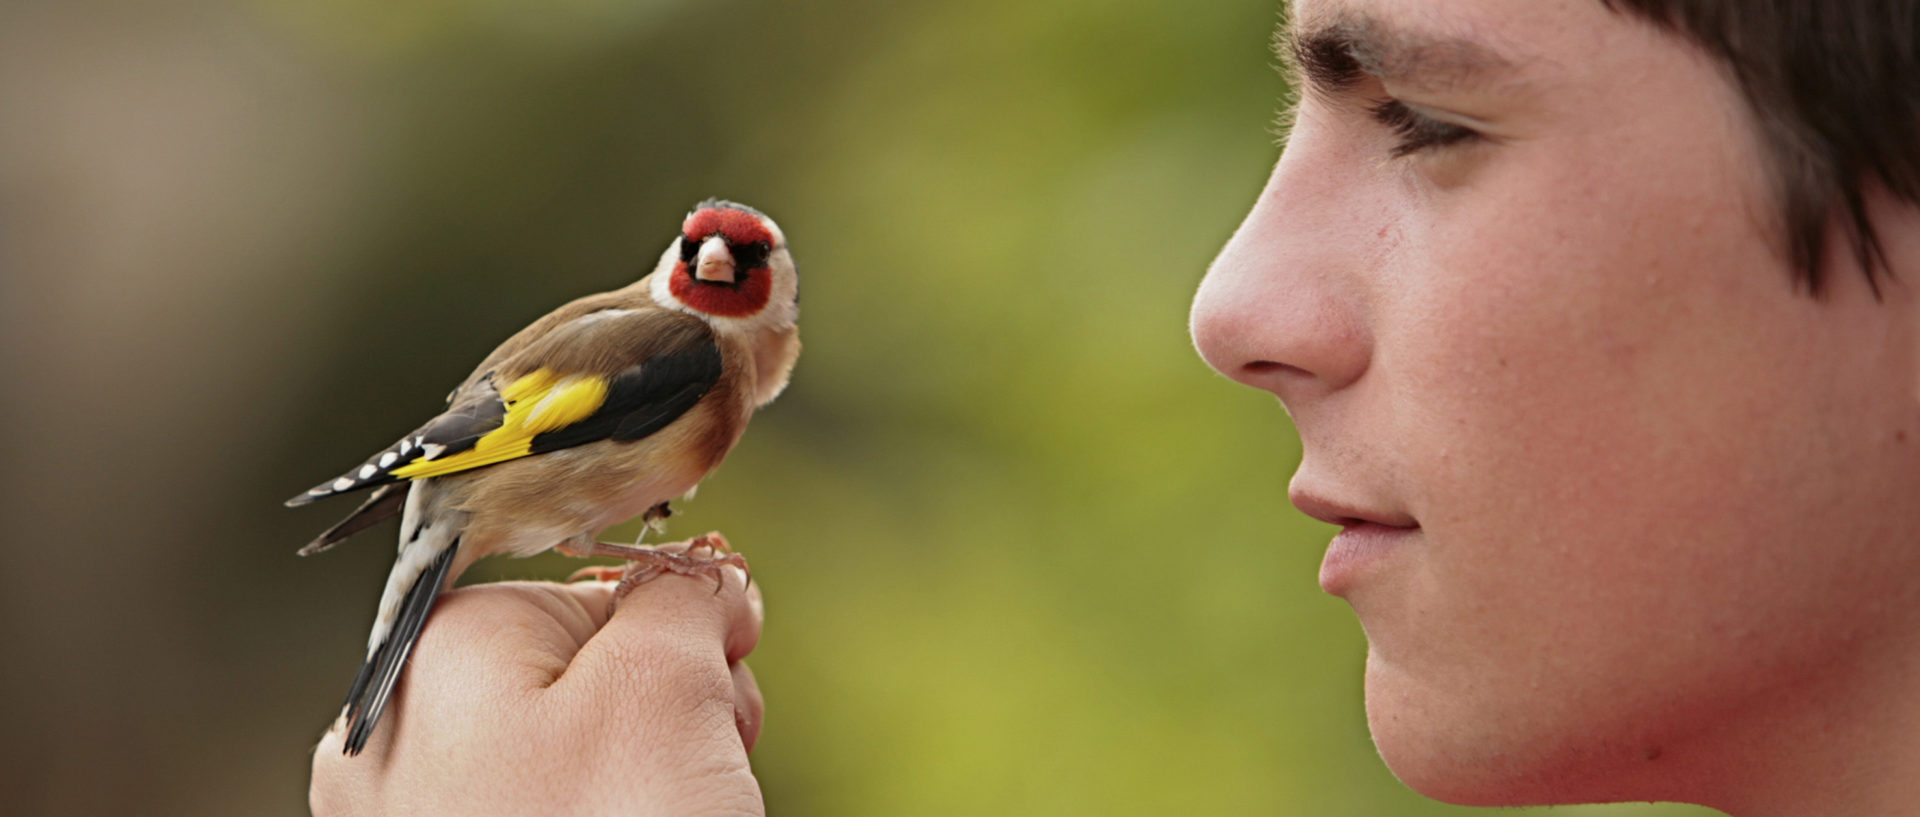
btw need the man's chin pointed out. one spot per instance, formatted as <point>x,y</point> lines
<point>1463,748</point>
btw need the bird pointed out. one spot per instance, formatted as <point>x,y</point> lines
<point>607,408</point>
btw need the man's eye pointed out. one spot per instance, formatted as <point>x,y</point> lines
<point>1415,131</point>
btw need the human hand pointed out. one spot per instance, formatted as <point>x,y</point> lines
<point>523,698</point>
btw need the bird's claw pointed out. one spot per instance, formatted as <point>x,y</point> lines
<point>598,573</point>
<point>706,554</point>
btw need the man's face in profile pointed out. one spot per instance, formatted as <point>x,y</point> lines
<point>1608,482</point>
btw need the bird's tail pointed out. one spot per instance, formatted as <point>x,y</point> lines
<point>413,585</point>
<point>386,502</point>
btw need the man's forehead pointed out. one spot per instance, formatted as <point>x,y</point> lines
<point>1417,43</point>
<point>1434,18</point>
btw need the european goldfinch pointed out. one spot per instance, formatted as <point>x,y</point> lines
<point>604,409</point>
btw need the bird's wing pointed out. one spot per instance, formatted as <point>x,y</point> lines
<point>385,503</point>
<point>615,374</point>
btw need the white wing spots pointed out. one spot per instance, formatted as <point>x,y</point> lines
<point>368,470</point>
<point>320,491</point>
<point>405,446</point>
<point>388,459</point>
<point>343,483</point>
<point>432,450</point>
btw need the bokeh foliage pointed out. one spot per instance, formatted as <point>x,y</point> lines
<point>1023,552</point>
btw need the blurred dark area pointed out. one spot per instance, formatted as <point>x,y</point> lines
<point>1023,553</point>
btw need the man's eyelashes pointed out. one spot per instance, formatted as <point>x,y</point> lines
<point>1415,131</point>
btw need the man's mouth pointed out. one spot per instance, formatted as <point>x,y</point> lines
<point>1367,536</point>
<point>1357,548</point>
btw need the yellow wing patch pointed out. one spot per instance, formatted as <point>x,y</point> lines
<point>536,404</point>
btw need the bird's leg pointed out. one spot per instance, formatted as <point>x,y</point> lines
<point>581,547</point>
<point>650,522</point>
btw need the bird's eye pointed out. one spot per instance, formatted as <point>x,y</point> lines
<point>752,256</point>
<point>688,249</point>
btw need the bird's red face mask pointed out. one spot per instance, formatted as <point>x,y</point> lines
<point>723,269</point>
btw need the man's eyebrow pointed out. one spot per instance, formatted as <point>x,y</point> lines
<point>1335,54</point>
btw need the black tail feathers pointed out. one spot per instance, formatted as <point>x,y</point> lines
<point>386,502</point>
<point>367,699</point>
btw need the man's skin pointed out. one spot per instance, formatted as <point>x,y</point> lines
<point>1640,513</point>
<point>523,698</point>
<point>1643,515</point>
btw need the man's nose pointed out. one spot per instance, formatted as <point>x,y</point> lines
<point>1283,308</point>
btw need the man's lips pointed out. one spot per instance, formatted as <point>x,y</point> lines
<point>1355,549</point>
<point>1366,537</point>
<point>1334,512</point>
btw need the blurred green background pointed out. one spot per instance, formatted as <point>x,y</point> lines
<point>1023,553</point>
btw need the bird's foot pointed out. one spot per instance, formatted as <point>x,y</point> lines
<point>706,554</point>
<point>598,573</point>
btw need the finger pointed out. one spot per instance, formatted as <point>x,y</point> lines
<point>678,613</point>
<point>505,636</point>
<point>749,709</point>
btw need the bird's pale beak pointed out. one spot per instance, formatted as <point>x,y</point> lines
<point>714,263</point>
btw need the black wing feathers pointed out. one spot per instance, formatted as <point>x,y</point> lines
<point>462,426</point>
<point>643,399</point>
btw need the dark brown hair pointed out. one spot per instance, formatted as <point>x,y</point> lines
<point>1835,90</point>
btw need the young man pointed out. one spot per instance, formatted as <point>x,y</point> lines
<point>1598,325</point>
